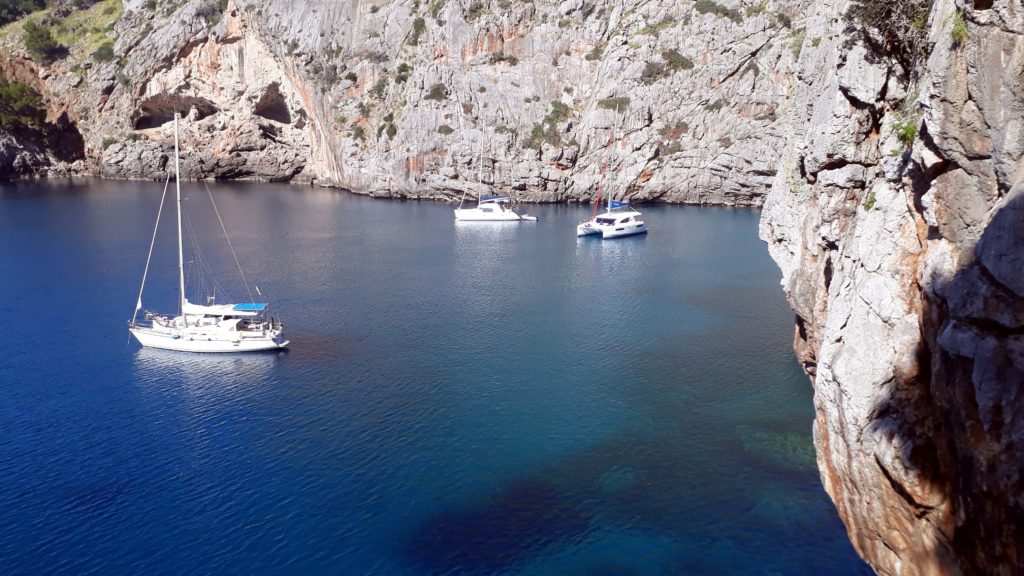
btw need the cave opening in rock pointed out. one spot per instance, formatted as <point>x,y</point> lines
<point>982,4</point>
<point>272,106</point>
<point>159,110</point>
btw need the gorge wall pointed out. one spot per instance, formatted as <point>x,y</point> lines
<point>902,258</point>
<point>440,98</point>
<point>895,207</point>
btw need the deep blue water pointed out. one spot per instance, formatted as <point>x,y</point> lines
<point>470,399</point>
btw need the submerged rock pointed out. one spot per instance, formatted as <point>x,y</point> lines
<point>778,448</point>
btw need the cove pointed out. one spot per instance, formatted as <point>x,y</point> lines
<point>472,399</point>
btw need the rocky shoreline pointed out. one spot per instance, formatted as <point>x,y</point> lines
<point>414,100</point>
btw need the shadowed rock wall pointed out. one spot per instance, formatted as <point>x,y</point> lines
<point>903,266</point>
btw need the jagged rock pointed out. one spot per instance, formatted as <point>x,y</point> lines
<point>905,271</point>
<point>362,99</point>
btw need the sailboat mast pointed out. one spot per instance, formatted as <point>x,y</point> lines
<point>181,254</point>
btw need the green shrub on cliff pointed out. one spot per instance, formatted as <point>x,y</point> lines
<point>20,105</point>
<point>654,29</point>
<point>675,61</point>
<point>619,104</point>
<point>547,129</point>
<point>437,92</point>
<point>402,73</point>
<point>906,133</point>
<point>869,200</point>
<point>419,26</point>
<point>712,7</point>
<point>959,31</point>
<point>105,53</point>
<point>11,10</point>
<point>212,10</point>
<point>40,44</point>
<point>900,25</point>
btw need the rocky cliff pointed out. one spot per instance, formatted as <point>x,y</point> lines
<point>434,99</point>
<point>897,217</point>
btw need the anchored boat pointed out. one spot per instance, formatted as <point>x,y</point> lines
<point>490,208</point>
<point>203,328</point>
<point>618,221</point>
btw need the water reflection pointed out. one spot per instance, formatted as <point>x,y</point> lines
<point>482,235</point>
<point>211,377</point>
<point>612,251</point>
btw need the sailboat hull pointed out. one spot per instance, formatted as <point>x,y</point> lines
<point>165,340</point>
<point>477,215</point>
<point>613,224</point>
<point>623,231</point>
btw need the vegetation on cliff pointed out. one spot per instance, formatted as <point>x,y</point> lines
<point>67,27</point>
<point>11,10</point>
<point>20,105</point>
<point>902,27</point>
<point>40,43</point>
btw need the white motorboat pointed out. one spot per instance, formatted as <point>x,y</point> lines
<point>491,209</point>
<point>614,223</point>
<point>203,328</point>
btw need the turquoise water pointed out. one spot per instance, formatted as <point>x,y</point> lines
<point>472,399</point>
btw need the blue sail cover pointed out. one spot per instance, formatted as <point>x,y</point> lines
<point>617,204</point>
<point>250,307</point>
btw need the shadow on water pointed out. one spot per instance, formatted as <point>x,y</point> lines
<point>524,519</point>
<point>665,481</point>
<point>629,483</point>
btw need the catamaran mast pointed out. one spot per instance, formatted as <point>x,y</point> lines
<point>181,255</point>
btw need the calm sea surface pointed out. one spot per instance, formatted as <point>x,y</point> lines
<point>472,399</point>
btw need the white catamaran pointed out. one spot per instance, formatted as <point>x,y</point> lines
<point>198,328</point>
<point>618,220</point>
<point>489,208</point>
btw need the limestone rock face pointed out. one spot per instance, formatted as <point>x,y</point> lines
<point>904,267</point>
<point>436,99</point>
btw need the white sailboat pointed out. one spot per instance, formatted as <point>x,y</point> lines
<point>203,328</point>
<point>490,208</point>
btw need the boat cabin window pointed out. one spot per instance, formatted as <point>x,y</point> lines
<point>486,209</point>
<point>606,221</point>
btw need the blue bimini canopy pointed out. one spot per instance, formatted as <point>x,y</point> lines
<point>250,307</point>
<point>487,198</point>
<point>617,204</point>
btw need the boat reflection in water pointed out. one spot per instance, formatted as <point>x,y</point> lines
<point>209,376</point>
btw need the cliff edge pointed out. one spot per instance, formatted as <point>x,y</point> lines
<point>897,217</point>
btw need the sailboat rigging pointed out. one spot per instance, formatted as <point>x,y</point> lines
<point>619,219</point>
<point>492,208</point>
<point>209,327</point>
